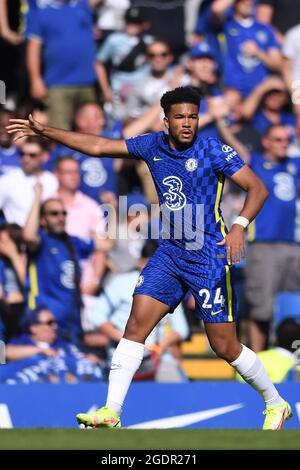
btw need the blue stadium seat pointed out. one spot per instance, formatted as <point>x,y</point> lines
<point>287,305</point>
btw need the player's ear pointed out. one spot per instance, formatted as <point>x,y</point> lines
<point>166,122</point>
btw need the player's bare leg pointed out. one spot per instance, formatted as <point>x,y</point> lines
<point>223,340</point>
<point>146,312</point>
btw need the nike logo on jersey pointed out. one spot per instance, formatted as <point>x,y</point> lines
<point>216,313</point>
<point>156,159</point>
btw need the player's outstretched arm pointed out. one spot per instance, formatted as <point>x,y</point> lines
<point>85,143</point>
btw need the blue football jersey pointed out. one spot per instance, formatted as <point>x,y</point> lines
<point>50,280</point>
<point>276,220</point>
<point>189,184</point>
<point>241,71</point>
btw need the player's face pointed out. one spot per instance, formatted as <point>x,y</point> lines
<point>182,124</point>
<point>54,218</point>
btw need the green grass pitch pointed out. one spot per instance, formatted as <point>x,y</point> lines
<point>66,439</point>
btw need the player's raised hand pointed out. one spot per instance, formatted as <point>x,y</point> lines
<point>235,246</point>
<point>24,127</point>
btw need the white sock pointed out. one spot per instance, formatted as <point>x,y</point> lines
<point>253,372</point>
<point>125,362</point>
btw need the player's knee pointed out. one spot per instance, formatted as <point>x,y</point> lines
<point>225,350</point>
<point>135,330</point>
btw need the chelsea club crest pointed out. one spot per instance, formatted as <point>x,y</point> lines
<point>140,281</point>
<point>191,164</point>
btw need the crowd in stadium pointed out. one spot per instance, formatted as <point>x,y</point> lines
<point>100,67</point>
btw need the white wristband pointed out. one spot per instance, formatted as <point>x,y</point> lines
<point>241,221</point>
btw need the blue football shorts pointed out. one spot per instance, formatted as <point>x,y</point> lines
<point>168,278</point>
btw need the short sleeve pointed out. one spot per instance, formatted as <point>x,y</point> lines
<point>34,26</point>
<point>140,146</point>
<point>224,159</point>
<point>106,51</point>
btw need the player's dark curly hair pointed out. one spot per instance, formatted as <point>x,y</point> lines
<point>185,94</point>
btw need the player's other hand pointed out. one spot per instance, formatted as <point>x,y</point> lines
<point>24,127</point>
<point>235,246</point>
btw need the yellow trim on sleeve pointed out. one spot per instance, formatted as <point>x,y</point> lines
<point>217,204</point>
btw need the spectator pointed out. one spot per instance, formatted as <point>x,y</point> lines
<point>203,69</point>
<point>64,361</point>
<point>54,271</point>
<point>251,49</point>
<point>273,262</point>
<point>283,14</point>
<point>11,51</point>
<point>59,32</point>
<point>132,231</point>
<point>147,91</point>
<point>204,73</point>
<point>239,126</point>
<point>9,153</point>
<point>111,312</point>
<point>13,273</point>
<point>99,176</point>
<point>126,52</point>
<point>265,106</point>
<point>84,220</point>
<point>16,187</point>
<point>111,16</point>
<point>281,362</point>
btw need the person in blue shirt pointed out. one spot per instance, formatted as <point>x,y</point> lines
<point>53,270</point>
<point>266,105</point>
<point>60,36</point>
<point>9,153</point>
<point>250,49</point>
<point>98,178</point>
<point>40,355</point>
<point>273,261</point>
<point>196,253</point>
